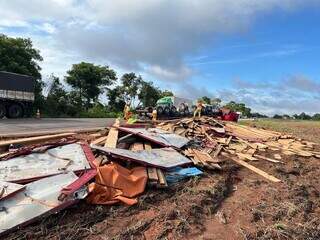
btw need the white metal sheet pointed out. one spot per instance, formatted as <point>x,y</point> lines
<point>162,157</point>
<point>36,165</point>
<point>36,199</point>
<point>7,188</point>
<point>159,136</point>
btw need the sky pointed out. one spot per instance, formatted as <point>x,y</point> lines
<point>264,53</point>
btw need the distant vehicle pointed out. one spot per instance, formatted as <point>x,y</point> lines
<point>16,95</point>
<point>173,106</point>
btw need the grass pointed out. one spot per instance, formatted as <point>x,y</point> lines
<point>309,130</point>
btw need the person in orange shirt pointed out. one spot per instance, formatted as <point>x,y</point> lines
<point>198,109</point>
<point>126,112</point>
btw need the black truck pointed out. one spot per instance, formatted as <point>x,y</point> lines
<point>16,95</point>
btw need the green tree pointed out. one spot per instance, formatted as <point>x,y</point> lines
<point>304,116</point>
<point>239,107</point>
<point>19,56</point>
<point>57,99</point>
<point>89,81</point>
<point>316,117</point>
<point>166,93</point>
<point>116,99</point>
<point>148,94</point>
<point>130,86</point>
<point>206,99</point>
<point>277,116</point>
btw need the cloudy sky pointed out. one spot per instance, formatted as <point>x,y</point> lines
<point>265,53</point>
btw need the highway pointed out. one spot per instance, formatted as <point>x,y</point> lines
<point>20,127</point>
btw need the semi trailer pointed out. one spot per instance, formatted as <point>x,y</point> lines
<point>16,95</point>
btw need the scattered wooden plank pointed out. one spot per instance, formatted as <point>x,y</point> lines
<point>35,139</point>
<point>112,139</point>
<point>28,134</point>
<point>277,156</point>
<point>99,140</point>
<point>267,159</point>
<point>246,156</point>
<point>162,179</point>
<point>229,140</point>
<point>256,170</point>
<point>218,150</point>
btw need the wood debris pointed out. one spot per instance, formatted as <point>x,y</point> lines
<point>228,140</point>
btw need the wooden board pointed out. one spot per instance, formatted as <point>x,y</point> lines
<point>99,140</point>
<point>35,139</point>
<point>112,138</point>
<point>256,170</point>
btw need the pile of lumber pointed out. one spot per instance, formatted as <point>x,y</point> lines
<point>220,141</point>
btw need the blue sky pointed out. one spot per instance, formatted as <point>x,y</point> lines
<point>264,53</point>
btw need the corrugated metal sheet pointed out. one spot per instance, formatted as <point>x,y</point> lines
<point>158,136</point>
<point>38,198</point>
<point>7,189</point>
<point>36,165</point>
<point>162,158</point>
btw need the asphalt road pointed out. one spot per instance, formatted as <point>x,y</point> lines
<point>25,126</point>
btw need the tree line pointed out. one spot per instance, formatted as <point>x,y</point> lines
<point>86,83</point>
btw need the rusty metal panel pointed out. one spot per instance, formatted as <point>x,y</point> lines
<point>158,136</point>
<point>162,157</point>
<point>36,165</point>
<point>36,199</point>
<point>7,189</point>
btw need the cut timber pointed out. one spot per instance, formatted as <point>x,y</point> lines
<point>218,150</point>
<point>246,156</point>
<point>256,170</point>
<point>267,159</point>
<point>112,139</point>
<point>155,175</point>
<point>277,156</point>
<point>27,134</point>
<point>35,139</point>
<point>99,140</point>
<point>162,179</point>
<point>229,140</point>
<point>152,174</point>
<point>137,146</point>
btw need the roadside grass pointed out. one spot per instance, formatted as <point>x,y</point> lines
<point>309,130</point>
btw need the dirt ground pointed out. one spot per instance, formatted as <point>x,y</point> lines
<point>234,203</point>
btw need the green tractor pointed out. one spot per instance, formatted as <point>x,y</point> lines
<point>173,106</point>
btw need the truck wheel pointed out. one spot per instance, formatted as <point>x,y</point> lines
<point>173,111</point>
<point>2,111</point>
<point>186,112</point>
<point>167,111</point>
<point>15,111</point>
<point>159,110</point>
<point>149,109</point>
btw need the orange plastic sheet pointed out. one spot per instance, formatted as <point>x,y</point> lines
<point>115,183</point>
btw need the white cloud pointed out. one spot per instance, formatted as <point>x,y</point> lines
<point>158,34</point>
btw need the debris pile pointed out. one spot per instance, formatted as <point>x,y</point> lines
<point>116,165</point>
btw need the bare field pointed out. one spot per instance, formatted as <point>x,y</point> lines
<point>309,130</point>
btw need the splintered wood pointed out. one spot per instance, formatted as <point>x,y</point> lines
<point>227,140</point>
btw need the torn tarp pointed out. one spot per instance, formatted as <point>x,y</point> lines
<point>7,189</point>
<point>115,183</point>
<point>177,174</point>
<point>38,198</point>
<point>161,158</point>
<point>71,157</point>
<point>158,136</point>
